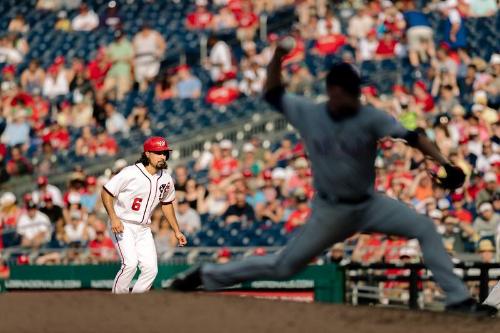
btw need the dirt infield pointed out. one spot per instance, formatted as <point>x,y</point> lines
<point>73,312</point>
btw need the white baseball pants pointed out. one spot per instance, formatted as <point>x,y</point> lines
<point>135,246</point>
<point>334,222</point>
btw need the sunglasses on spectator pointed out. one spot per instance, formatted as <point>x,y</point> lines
<point>166,153</point>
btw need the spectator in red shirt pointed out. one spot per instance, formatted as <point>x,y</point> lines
<point>4,270</point>
<point>86,144</point>
<point>101,248</point>
<point>201,18</point>
<point>459,211</point>
<point>227,164</point>
<point>18,165</point>
<point>298,53</point>
<point>247,21</point>
<point>300,215</point>
<point>330,44</point>
<point>98,68</point>
<point>422,98</point>
<point>106,145</point>
<point>386,48</point>
<point>368,249</point>
<point>222,95</point>
<point>57,135</point>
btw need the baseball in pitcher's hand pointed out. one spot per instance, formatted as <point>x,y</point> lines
<point>181,238</point>
<point>116,226</point>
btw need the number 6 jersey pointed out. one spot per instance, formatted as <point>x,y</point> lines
<point>137,192</point>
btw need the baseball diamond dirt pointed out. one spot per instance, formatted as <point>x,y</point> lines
<point>172,312</point>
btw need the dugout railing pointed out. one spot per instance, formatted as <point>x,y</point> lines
<point>414,275</point>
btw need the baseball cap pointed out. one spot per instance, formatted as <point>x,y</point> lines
<point>7,199</point>
<point>260,251</point>
<point>490,177</point>
<point>91,180</point>
<point>224,253</point>
<point>74,198</point>
<point>248,148</point>
<point>247,173</point>
<point>226,144</point>
<point>42,180</point>
<point>272,37</point>
<point>443,204</point>
<point>267,174</point>
<point>300,163</point>
<point>47,197</point>
<point>119,164</point>
<point>156,143</point>
<point>485,206</point>
<point>486,246</point>
<point>436,214</point>
<point>495,59</point>
<point>338,246</point>
<point>346,76</point>
<point>457,197</point>
<point>278,173</point>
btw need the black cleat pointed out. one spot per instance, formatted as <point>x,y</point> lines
<point>470,306</point>
<point>189,280</point>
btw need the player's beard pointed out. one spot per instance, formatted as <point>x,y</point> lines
<point>161,165</point>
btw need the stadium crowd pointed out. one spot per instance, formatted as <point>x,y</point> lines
<point>453,96</point>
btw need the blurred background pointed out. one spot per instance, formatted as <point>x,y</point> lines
<point>83,83</point>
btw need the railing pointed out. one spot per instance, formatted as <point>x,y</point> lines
<point>412,275</point>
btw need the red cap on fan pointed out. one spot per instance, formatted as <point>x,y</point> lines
<point>156,143</point>
<point>91,180</point>
<point>224,253</point>
<point>420,84</point>
<point>42,180</point>
<point>370,90</point>
<point>267,174</point>
<point>247,173</point>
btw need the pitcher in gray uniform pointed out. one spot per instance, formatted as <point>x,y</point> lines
<point>341,139</point>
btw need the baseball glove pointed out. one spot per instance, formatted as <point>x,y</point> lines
<point>454,178</point>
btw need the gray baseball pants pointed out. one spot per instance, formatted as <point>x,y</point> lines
<point>334,222</point>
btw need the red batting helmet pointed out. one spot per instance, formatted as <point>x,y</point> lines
<point>156,143</point>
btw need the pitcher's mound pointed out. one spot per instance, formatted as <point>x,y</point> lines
<point>167,312</point>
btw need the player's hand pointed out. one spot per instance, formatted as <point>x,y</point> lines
<point>181,239</point>
<point>116,226</point>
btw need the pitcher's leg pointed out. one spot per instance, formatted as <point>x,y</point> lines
<point>325,227</point>
<point>392,217</point>
<point>125,246</point>
<point>148,263</point>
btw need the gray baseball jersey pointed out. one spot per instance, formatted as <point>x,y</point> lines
<point>343,152</point>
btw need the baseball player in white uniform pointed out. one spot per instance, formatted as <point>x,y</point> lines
<point>341,139</point>
<point>130,198</point>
